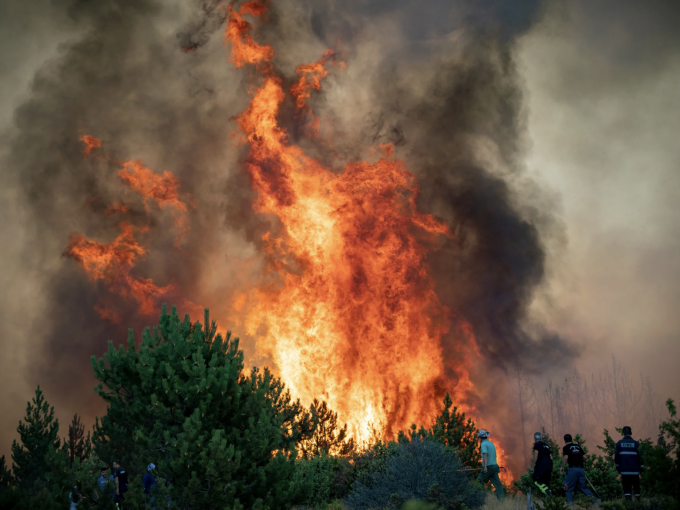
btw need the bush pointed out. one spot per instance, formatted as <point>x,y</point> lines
<point>420,469</point>
<point>416,504</point>
<point>653,503</point>
<point>552,504</point>
<point>326,475</point>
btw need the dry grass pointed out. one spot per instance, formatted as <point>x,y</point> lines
<point>510,502</point>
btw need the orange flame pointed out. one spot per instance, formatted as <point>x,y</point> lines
<point>347,305</point>
<point>310,78</point>
<point>90,143</point>
<point>244,49</point>
<point>112,263</point>
<point>355,319</point>
<point>115,208</point>
<point>163,188</point>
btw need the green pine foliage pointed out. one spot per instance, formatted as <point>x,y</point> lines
<point>671,429</point>
<point>220,437</point>
<point>8,494</point>
<point>68,481</point>
<point>662,467</point>
<point>44,471</point>
<point>328,437</point>
<point>78,444</point>
<point>37,433</point>
<point>659,477</point>
<point>552,504</point>
<point>419,469</point>
<point>452,429</point>
<point>602,473</point>
<point>226,438</point>
<point>327,476</point>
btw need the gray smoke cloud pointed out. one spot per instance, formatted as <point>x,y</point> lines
<point>441,81</point>
<point>121,76</point>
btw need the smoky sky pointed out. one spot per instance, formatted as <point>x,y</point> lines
<point>440,80</point>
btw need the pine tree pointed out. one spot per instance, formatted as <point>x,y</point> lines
<point>663,460</point>
<point>452,429</point>
<point>78,444</point>
<point>6,479</point>
<point>8,495</point>
<point>328,438</point>
<point>37,433</point>
<point>220,438</point>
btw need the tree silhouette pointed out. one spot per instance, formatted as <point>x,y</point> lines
<point>79,446</point>
<point>37,433</point>
<point>328,437</point>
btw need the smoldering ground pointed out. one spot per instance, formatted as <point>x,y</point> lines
<point>439,81</point>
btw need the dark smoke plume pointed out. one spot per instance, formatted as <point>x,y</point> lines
<point>127,82</point>
<point>463,135</point>
<point>151,80</point>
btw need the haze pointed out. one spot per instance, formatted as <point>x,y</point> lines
<point>601,107</point>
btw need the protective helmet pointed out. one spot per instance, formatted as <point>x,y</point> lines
<point>483,433</point>
<point>538,436</point>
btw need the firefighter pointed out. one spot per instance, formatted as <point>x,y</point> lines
<point>490,467</point>
<point>542,465</point>
<point>629,464</point>
<point>576,475</point>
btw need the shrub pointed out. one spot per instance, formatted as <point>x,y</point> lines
<point>326,475</point>
<point>420,469</point>
<point>552,504</point>
<point>452,429</point>
<point>416,504</point>
<point>653,503</point>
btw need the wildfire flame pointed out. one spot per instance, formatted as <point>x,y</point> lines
<point>354,318</point>
<point>90,143</point>
<point>112,263</point>
<point>346,308</point>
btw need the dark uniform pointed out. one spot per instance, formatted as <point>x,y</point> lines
<point>122,477</point>
<point>629,464</point>
<point>576,475</point>
<point>543,468</point>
